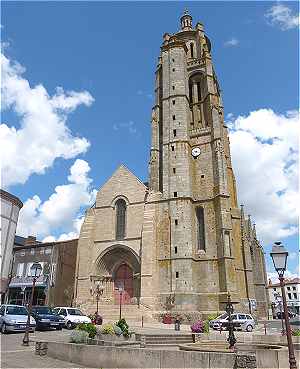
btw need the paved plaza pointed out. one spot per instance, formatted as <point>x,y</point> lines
<point>14,355</point>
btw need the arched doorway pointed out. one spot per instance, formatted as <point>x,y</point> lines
<point>118,266</point>
<point>123,279</point>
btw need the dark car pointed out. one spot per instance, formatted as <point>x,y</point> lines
<point>46,318</point>
<point>280,314</point>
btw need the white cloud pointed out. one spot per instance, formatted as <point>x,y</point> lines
<point>282,16</point>
<point>62,209</point>
<point>231,43</point>
<point>264,148</point>
<point>43,134</point>
<point>130,126</point>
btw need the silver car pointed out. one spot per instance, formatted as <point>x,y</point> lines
<point>242,321</point>
<point>13,318</point>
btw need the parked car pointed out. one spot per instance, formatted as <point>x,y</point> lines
<point>280,314</point>
<point>71,316</point>
<point>241,321</point>
<point>46,318</point>
<point>13,318</point>
<point>295,321</point>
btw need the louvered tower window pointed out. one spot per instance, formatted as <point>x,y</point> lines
<point>120,219</point>
<point>200,226</point>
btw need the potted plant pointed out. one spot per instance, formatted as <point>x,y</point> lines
<point>197,327</point>
<point>167,318</point>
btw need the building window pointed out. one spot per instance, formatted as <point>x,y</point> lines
<point>31,251</point>
<point>172,148</point>
<point>176,221</point>
<point>290,296</point>
<point>200,228</point>
<point>120,219</point>
<point>192,50</point>
<point>20,269</point>
<point>48,250</point>
<point>294,288</point>
<point>173,87</point>
<point>173,101</point>
<point>199,91</point>
<point>173,69</point>
<point>289,288</point>
<point>174,132</point>
<point>174,170</point>
<point>202,175</point>
<point>174,117</point>
<point>295,295</point>
<point>177,274</point>
<point>173,60</point>
<point>175,194</point>
<point>42,251</point>
<point>175,249</point>
<point>274,289</point>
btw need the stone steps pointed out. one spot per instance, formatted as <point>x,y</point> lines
<point>129,312</point>
<point>165,339</point>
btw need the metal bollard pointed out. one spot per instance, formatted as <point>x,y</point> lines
<point>265,328</point>
<point>177,325</point>
<point>143,342</point>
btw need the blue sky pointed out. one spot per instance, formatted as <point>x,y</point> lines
<point>107,52</point>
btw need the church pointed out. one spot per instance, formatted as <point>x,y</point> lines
<point>179,242</point>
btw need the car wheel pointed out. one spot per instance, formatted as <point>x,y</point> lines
<point>69,325</point>
<point>249,328</point>
<point>3,329</point>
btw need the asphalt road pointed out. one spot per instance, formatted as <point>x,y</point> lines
<point>15,355</point>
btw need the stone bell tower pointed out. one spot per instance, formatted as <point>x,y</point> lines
<point>198,245</point>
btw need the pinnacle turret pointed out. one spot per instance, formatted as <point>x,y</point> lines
<point>186,21</point>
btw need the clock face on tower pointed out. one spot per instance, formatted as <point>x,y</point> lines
<point>196,152</point>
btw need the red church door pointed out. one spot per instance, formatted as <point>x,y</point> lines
<point>124,279</point>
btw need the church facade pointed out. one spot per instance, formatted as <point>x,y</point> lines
<point>181,241</point>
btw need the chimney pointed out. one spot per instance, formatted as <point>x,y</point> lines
<point>30,240</point>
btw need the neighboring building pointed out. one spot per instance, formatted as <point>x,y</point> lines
<point>292,292</point>
<point>183,241</point>
<point>56,284</point>
<point>10,207</point>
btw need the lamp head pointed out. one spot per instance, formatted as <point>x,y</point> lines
<point>279,256</point>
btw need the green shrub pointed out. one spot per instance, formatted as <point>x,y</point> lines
<point>206,326</point>
<point>118,330</point>
<point>124,327</point>
<point>212,317</point>
<point>296,332</point>
<point>108,328</point>
<point>89,328</point>
<point>78,336</point>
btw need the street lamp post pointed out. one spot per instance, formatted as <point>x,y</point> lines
<point>120,298</point>
<point>279,302</point>
<point>98,291</point>
<point>229,310</point>
<point>279,256</point>
<point>35,272</point>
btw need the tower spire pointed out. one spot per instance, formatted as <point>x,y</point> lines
<point>186,21</point>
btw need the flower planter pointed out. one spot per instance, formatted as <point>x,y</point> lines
<point>167,319</point>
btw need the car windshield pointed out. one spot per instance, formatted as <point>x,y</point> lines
<point>42,310</point>
<point>74,312</point>
<point>222,316</point>
<point>16,310</point>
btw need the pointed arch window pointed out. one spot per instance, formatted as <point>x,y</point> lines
<point>120,219</point>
